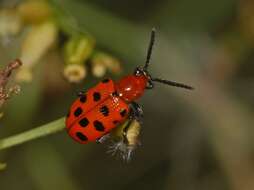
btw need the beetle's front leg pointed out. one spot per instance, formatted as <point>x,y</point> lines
<point>136,111</point>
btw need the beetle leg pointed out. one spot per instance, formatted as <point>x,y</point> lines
<point>149,85</point>
<point>103,138</point>
<point>80,93</point>
<point>136,111</point>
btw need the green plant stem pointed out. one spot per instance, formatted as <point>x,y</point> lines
<point>44,130</point>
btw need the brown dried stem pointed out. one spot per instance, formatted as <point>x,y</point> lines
<point>4,78</point>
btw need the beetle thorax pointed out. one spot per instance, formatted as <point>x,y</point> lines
<point>131,87</point>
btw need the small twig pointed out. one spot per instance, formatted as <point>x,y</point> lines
<point>38,132</point>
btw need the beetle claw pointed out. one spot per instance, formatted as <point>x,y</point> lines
<point>103,139</point>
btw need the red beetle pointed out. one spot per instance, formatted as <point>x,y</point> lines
<point>95,113</point>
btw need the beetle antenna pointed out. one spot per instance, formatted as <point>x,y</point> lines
<point>172,83</point>
<point>150,48</point>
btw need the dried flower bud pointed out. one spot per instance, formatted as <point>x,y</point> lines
<point>74,72</point>
<point>5,74</point>
<point>111,63</point>
<point>9,92</point>
<point>37,42</point>
<point>78,49</point>
<point>34,11</point>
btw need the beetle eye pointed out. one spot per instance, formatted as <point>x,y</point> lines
<point>137,71</point>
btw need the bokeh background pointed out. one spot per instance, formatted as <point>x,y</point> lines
<point>195,140</point>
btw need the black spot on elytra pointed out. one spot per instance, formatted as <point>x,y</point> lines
<point>115,122</point>
<point>123,112</point>
<point>96,96</point>
<point>81,136</point>
<point>78,112</point>
<point>98,126</point>
<point>104,110</point>
<point>105,81</point>
<point>83,98</point>
<point>83,122</point>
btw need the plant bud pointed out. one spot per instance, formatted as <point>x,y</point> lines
<point>111,63</point>
<point>74,72</point>
<point>98,70</point>
<point>78,49</point>
<point>37,42</point>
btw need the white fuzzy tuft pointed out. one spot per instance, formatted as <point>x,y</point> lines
<point>121,149</point>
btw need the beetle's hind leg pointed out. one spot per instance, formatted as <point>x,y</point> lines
<point>103,139</point>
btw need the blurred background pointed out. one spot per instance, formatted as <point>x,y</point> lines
<point>195,140</point>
